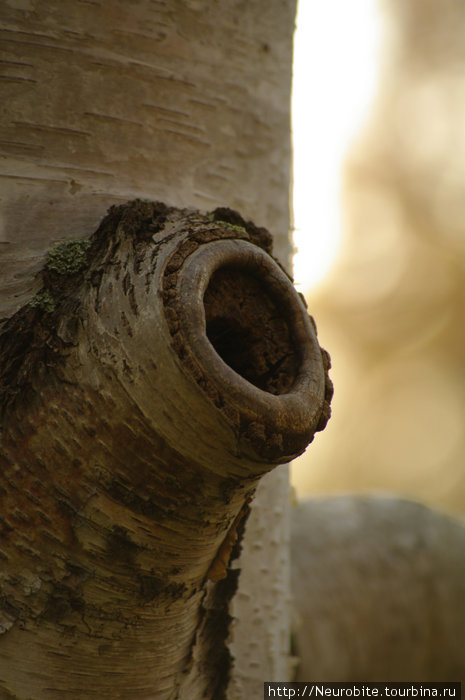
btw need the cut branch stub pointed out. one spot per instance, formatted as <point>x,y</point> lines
<point>143,393</point>
<point>244,334</point>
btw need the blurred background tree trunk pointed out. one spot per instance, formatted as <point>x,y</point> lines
<point>391,309</point>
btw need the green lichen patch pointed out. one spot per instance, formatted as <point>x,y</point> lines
<point>69,257</point>
<point>212,216</point>
<point>232,227</point>
<point>43,300</point>
<point>230,219</point>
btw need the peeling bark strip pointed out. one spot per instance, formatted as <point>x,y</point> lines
<point>165,366</point>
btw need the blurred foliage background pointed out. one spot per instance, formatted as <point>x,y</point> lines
<point>391,311</point>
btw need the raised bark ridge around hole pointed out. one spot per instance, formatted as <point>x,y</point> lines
<point>259,328</point>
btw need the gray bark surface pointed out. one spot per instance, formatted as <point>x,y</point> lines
<point>185,102</point>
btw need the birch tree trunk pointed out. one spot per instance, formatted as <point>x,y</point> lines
<point>188,103</point>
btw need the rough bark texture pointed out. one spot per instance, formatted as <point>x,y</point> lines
<point>131,450</point>
<point>183,101</point>
<point>379,590</point>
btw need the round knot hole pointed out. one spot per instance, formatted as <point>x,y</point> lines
<point>249,331</point>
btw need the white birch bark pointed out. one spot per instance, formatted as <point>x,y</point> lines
<point>183,102</point>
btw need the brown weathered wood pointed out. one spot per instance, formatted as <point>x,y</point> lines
<point>130,447</point>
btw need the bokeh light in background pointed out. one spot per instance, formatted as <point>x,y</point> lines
<point>336,47</point>
<point>379,106</point>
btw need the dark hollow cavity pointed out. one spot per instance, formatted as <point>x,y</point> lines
<point>249,331</point>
